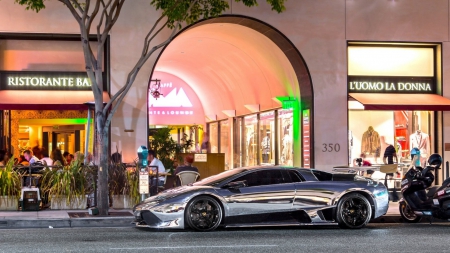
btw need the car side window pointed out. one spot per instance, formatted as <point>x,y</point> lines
<point>262,177</point>
<point>294,176</point>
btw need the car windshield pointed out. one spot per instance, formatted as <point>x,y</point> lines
<point>217,179</point>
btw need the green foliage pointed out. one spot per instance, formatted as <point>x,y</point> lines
<point>10,180</point>
<point>124,181</point>
<point>71,181</point>
<point>165,147</point>
<point>191,11</point>
<point>35,5</point>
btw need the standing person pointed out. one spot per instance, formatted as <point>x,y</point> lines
<point>188,161</point>
<point>206,145</point>
<point>30,157</point>
<point>389,156</point>
<point>153,161</point>
<point>57,157</point>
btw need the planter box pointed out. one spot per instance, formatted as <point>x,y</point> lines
<point>75,203</point>
<point>8,203</point>
<point>122,202</point>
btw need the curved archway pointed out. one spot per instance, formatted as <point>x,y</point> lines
<point>237,63</point>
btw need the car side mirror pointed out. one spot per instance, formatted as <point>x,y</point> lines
<point>236,185</point>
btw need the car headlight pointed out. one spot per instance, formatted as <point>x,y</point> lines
<point>169,208</point>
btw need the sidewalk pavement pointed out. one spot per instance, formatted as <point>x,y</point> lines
<point>64,219</point>
<point>118,218</point>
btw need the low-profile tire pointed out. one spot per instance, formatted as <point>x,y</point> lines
<point>203,213</point>
<point>353,211</point>
<point>407,214</point>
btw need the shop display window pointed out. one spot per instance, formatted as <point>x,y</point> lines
<point>285,136</point>
<point>238,142</point>
<point>371,132</point>
<point>267,137</point>
<point>251,138</point>
<point>214,137</point>
<point>224,141</point>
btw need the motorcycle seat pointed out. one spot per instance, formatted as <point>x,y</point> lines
<point>432,190</point>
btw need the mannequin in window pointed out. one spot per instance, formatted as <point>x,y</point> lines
<point>370,143</point>
<point>265,148</point>
<point>421,141</point>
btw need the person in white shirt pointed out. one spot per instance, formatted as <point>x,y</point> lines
<point>46,159</point>
<point>30,157</point>
<point>153,161</point>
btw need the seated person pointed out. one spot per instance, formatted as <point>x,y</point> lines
<point>188,161</point>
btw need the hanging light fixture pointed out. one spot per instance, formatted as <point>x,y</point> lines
<point>155,88</point>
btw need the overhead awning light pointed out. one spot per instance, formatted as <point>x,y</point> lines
<point>398,102</point>
<point>46,100</point>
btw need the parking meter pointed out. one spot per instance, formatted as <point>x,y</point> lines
<point>143,172</point>
<point>142,154</point>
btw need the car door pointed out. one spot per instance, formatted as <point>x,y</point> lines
<point>311,194</point>
<point>266,192</point>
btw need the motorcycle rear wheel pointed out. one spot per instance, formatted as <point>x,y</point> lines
<point>407,214</point>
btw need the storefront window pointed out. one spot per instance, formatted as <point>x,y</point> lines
<point>238,142</point>
<point>213,137</point>
<point>224,142</point>
<point>372,131</point>
<point>285,143</point>
<point>267,137</point>
<point>251,144</point>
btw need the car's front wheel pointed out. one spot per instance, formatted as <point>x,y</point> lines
<point>353,211</point>
<point>203,213</point>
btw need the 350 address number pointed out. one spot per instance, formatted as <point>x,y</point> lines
<point>331,147</point>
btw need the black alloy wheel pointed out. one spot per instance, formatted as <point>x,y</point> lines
<point>353,211</point>
<point>407,214</point>
<point>203,213</point>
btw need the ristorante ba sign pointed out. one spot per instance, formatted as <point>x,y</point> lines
<point>25,80</point>
<point>373,84</point>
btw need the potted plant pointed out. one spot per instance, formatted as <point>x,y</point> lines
<point>67,187</point>
<point>10,183</point>
<point>123,186</point>
<point>165,147</point>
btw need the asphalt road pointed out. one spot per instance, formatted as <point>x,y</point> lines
<point>374,238</point>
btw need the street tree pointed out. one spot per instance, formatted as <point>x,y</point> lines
<point>100,16</point>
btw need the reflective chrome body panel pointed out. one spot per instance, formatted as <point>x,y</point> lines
<point>310,201</point>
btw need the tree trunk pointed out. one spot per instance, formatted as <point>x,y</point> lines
<point>101,156</point>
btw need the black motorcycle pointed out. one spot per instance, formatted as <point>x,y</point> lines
<point>419,199</point>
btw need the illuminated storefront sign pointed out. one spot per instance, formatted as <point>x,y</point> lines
<point>24,80</point>
<point>178,104</point>
<point>391,85</point>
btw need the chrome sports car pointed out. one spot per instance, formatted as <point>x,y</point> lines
<point>266,196</point>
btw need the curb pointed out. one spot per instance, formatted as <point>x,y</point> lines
<point>67,223</point>
<point>399,219</point>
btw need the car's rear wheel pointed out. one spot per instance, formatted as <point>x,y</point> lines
<point>353,211</point>
<point>203,213</point>
<point>407,214</point>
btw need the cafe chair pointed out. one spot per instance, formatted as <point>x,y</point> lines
<point>188,177</point>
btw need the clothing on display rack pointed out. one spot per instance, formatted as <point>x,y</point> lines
<point>370,143</point>
<point>421,141</point>
<point>265,148</point>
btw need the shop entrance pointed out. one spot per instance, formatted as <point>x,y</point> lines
<point>64,130</point>
<point>243,79</point>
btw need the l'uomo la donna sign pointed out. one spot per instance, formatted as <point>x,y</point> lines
<point>27,80</point>
<point>373,84</point>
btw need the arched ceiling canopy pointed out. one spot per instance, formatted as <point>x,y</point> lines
<point>229,66</point>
